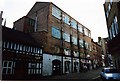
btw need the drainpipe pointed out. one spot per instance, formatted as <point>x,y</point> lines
<point>62,43</point>
<point>78,44</point>
<point>84,47</point>
<point>35,28</point>
<point>71,44</point>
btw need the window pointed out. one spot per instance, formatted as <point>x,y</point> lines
<point>74,24</point>
<point>113,30</point>
<point>90,48</point>
<point>56,12</point>
<point>11,46</point>
<point>4,44</point>
<point>67,66</point>
<point>66,37</point>
<point>24,48</point>
<point>56,33</point>
<point>86,32</point>
<point>8,44</point>
<point>80,29</point>
<point>74,40</point>
<point>39,50</point>
<point>66,19</point>
<point>76,53</point>
<point>116,24</point>
<point>20,47</point>
<point>89,34</point>
<point>107,13</point>
<point>108,10</point>
<point>67,52</point>
<point>86,45</point>
<point>34,68</point>
<point>31,50</point>
<point>15,46</point>
<point>109,7</point>
<point>81,42</point>
<point>31,22</point>
<point>111,2</point>
<point>110,33</point>
<point>8,67</point>
<point>34,51</point>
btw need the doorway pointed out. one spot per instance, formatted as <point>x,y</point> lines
<point>56,64</point>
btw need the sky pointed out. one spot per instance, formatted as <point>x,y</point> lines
<point>89,13</point>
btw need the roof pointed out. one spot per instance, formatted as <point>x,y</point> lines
<point>12,35</point>
<point>37,6</point>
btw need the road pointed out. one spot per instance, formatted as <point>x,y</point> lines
<point>92,75</point>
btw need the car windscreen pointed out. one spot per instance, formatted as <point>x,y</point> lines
<point>112,71</point>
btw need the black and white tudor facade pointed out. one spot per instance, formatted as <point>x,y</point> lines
<point>21,55</point>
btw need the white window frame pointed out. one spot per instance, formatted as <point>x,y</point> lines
<point>11,46</point>
<point>73,24</point>
<point>74,40</point>
<point>21,47</point>
<point>66,19</point>
<point>80,28</point>
<point>34,70</point>
<point>54,32</point>
<point>56,12</point>
<point>7,67</point>
<point>8,44</point>
<point>66,37</point>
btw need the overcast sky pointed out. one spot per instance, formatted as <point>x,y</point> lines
<point>90,13</point>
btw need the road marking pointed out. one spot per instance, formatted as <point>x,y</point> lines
<point>96,77</point>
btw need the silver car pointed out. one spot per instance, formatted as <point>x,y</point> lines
<point>110,74</point>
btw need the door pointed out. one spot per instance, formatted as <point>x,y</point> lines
<point>21,69</point>
<point>56,64</point>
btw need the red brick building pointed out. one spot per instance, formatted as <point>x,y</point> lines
<point>96,54</point>
<point>112,13</point>
<point>66,42</point>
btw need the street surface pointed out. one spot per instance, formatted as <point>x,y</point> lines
<point>92,75</point>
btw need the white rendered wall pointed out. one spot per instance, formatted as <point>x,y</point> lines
<point>47,63</point>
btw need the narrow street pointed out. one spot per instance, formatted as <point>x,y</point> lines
<point>92,75</point>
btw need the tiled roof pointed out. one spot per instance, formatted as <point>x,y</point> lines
<point>9,34</point>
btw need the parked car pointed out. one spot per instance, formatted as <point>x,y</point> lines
<point>110,74</point>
